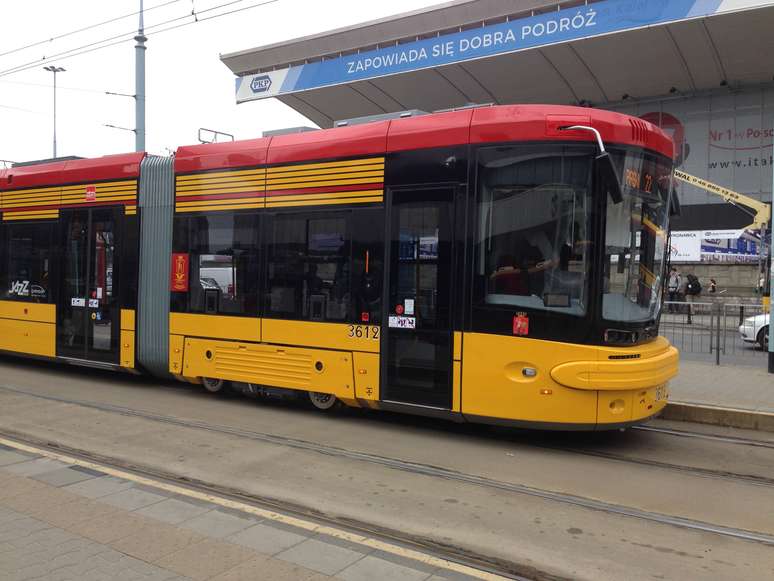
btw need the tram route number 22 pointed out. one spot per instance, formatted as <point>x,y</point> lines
<point>363,332</point>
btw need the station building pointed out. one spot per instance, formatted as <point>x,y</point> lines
<point>701,69</point>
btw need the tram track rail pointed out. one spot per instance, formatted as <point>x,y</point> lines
<point>486,564</point>
<point>440,472</point>
<point>707,436</point>
<point>334,451</point>
<point>693,470</point>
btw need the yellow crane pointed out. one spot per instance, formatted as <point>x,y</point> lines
<point>761,212</point>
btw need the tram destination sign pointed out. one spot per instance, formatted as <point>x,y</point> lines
<point>565,25</point>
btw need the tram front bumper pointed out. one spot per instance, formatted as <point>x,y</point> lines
<point>613,373</point>
<point>632,385</point>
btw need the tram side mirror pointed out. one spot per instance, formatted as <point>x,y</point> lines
<point>604,167</point>
<point>608,176</point>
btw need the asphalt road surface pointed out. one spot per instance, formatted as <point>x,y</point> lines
<point>642,504</point>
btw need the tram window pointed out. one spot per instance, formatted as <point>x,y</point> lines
<point>129,268</point>
<point>309,259</point>
<point>367,264</point>
<point>223,262</point>
<point>534,211</point>
<point>26,262</point>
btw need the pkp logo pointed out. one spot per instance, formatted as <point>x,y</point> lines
<point>260,84</point>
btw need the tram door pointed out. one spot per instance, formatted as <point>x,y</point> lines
<point>417,326</point>
<point>89,325</point>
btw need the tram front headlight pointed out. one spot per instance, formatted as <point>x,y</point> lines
<point>620,337</point>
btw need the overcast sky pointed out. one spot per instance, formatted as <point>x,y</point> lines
<point>187,85</point>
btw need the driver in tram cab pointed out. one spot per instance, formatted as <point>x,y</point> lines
<point>522,274</point>
<point>507,278</point>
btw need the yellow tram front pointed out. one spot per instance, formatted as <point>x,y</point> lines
<point>568,260</point>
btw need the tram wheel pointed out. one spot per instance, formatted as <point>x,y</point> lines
<point>763,338</point>
<point>322,401</point>
<point>213,385</point>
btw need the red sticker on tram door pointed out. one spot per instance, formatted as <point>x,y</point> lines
<point>398,309</point>
<point>91,193</point>
<point>520,324</point>
<point>179,274</point>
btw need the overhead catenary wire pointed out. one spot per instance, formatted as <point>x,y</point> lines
<point>265,2</point>
<point>58,87</point>
<point>123,37</point>
<point>49,114</point>
<point>84,29</point>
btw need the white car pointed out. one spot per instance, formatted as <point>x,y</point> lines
<point>756,330</point>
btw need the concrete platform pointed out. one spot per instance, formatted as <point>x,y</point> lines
<point>723,395</point>
<point>66,521</point>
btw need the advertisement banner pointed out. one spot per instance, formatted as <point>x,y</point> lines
<point>685,246</point>
<point>714,246</point>
<point>506,37</point>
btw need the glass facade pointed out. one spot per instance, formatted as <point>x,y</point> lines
<point>724,137</point>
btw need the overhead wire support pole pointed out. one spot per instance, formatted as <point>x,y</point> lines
<point>139,82</point>
<point>54,69</point>
<point>771,276</point>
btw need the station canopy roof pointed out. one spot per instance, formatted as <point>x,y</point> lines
<point>514,51</point>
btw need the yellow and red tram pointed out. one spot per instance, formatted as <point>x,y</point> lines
<point>492,264</point>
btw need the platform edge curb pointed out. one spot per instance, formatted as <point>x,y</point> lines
<point>719,416</point>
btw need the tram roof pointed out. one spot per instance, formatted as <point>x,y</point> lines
<point>627,50</point>
<point>72,171</point>
<point>505,123</point>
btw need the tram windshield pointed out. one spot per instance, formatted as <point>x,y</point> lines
<point>635,239</point>
<point>535,212</point>
<point>537,246</point>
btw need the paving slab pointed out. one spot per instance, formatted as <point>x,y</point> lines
<point>173,511</point>
<point>216,524</point>
<point>76,511</point>
<point>156,540</point>
<point>267,539</point>
<point>369,568</point>
<point>39,501</point>
<point>62,477</point>
<point>320,556</point>
<point>33,467</point>
<point>99,487</point>
<point>8,457</point>
<point>206,559</point>
<point>263,567</point>
<point>51,553</point>
<point>110,528</point>
<point>132,499</point>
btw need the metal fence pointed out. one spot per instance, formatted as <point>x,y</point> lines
<point>709,331</point>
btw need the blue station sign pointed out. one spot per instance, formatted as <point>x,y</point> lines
<point>594,19</point>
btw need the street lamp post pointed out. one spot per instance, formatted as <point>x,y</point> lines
<point>139,84</point>
<point>54,69</point>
